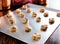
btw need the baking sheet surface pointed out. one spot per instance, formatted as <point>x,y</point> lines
<point>27,37</point>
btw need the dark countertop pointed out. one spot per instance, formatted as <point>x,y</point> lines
<point>5,39</point>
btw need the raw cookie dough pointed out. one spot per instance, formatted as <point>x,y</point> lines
<point>34,14</point>
<point>58,14</point>
<point>12,29</point>
<point>24,7</point>
<point>25,21</point>
<point>42,10</point>
<point>21,15</point>
<point>36,36</point>
<point>28,10</point>
<point>51,20</point>
<point>18,11</point>
<point>46,14</point>
<point>28,28</point>
<point>12,21</point>
<point>44,27</point>
<point>38,19</point>
<point>9,16</point>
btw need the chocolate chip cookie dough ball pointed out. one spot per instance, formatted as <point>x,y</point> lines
<point>58,14</point>
<point>24,7</point>
<point>28,10</point>
<point>12,21</point>
<point>13,29</point>
<point>25,21</point>
<point>36,36</point>
<point>21,15</point>
<point>34,14</point>
<point>42,10</point>
<point>18,11</point>
<point>46,14</point>
<point>51,21</point>
<point>28,29</point>
<point>38,19</point>
<point>9,16</point>
<point>44,27</point>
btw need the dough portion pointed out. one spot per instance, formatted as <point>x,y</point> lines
<point>34,14</point>
<point>24,7</point>
<point>21,15</point>
<point>25,21</point>
<point>46,14</point>
<point>9,16</point>
<point>51,20</point>
<point>12,21</point>
<point>38,19</point>
<point>18,11</point>
<point>13,29</point>
<point>28,29</point>
<point>28,10</point>
<point>44,27</point>
<point>42,10</point>
<point>36,36</point>
<point>58,14</point>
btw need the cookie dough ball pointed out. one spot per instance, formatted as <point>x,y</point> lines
<point>58,14</point>
<point>51,20</point>
<point>9,16</point>
<point>34,14</point>
<point>44,27</point>
<point>25,21</point>
<point>12,21</point>
<point>28,29</point>
<point>12,29</point>
<point>38,19</point>
<point>36,36</point>
<point>18,11</point>
<point>42,10</point>
<point>9,11</point>
<point>46,14</point>
<point>28,10</point>
<point>24,7</point>
<point>21,15</point>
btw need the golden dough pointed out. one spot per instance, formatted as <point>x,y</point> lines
<point>34,14</point>
<point>9,16</point>
<point>28,29</point>
<point>38,19</point>
<point>24,21</point>
<point>24,7</point>
<point>12,21</point>
<point>21,15</point>
<point>46,14</point>
<point>42,10</point>
<point>44,27</point>
<point>28,10</point>
<point>12,29</point>
<point>58,14</point>
<point>51,20</point>
<point>36,36</point>
<point>18,11</point>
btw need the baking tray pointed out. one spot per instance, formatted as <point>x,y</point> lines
<point>55,37</point>
<point>20,34</point>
